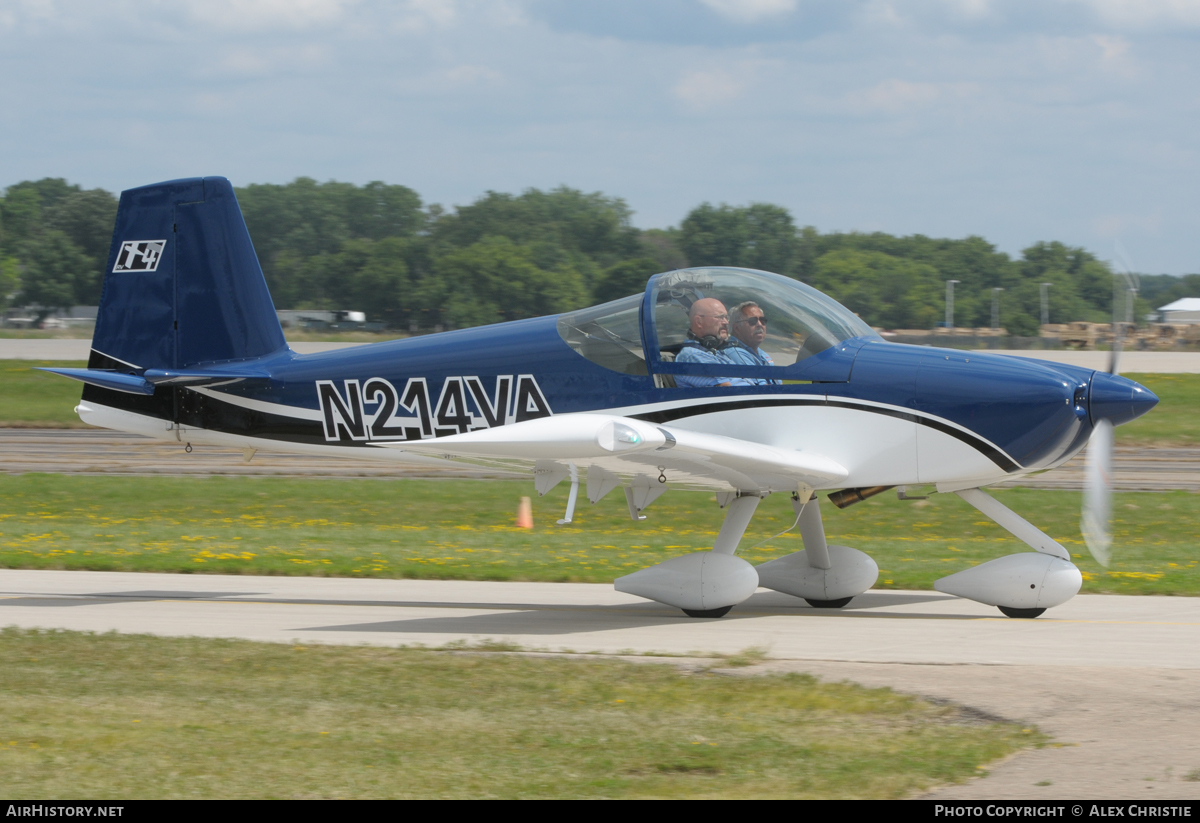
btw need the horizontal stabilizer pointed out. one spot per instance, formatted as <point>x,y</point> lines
<point>117,381</point>
<point>199,377</point>
<point>145,383</point>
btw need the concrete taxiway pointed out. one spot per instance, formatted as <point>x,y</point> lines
<point>1115,680</point>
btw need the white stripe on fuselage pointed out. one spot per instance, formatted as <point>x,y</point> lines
<point>875,449</point>
<point>281,409</point>
<point>314,415</point>
<point>878,449</point>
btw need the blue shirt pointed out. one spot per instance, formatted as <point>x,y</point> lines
<point>699,354</point>
<point>743,355</point>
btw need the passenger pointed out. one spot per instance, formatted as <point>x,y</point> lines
<point>708,342</point>
<point>749,328</point>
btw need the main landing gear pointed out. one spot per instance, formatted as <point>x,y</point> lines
<point>709,584</point>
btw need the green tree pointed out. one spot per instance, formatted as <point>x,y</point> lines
<point>10,280</point>
<point>378,211</point>
<point>496,280</point>
<point>662,246</point>
<point>625,279</point>
<point>56,272</point>
<point>594,229</point>
<point>86,218</point>
<point>883,290</point>
<point>759,236</point>
<point>300,228</point>
<point>20,218</point>
<point>1161,289</point>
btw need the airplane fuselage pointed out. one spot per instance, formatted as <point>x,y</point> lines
<point>892,414</point>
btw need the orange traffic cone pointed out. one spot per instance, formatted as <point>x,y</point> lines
<point>525,514</point>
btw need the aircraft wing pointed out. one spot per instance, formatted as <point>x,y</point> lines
<point>628,447</point>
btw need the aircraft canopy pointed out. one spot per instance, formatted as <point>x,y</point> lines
<point>624,334</point>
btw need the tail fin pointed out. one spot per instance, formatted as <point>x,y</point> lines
<point>183,285</point>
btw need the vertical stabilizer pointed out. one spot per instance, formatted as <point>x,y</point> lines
<point>183,286</point>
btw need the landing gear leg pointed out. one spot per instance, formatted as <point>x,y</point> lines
<point>737,519</point>
<point>704,584</point>
<point>826,577</point>
<point>816,549</point>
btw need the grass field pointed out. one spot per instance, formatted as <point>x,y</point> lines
<point>464,529</point>
<point>30,398</point>
<point>35,399</point>
<point>200,718</point>
<point>1174,421</point>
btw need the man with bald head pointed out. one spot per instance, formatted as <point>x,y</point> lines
<point>708,342</point>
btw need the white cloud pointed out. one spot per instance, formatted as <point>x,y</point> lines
<point>1146,13</point>
<point>1115,226</point>
<point>27,11</point>
<point>895,95</point>
<point>469,75</point>
<point>969,8</point>
<point>420,15</point>
<point>250,15</point>
<point>750,11</point>
<point>706,88</point>
<point>1111,48</point>
<point>264,60</point>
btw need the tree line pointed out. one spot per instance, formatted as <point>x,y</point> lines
<point>378,248</point>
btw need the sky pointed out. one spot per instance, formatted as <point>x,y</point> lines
<point>1019,121</point>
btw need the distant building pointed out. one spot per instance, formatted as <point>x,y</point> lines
<point>1184,310</point>
<point>27,317</point>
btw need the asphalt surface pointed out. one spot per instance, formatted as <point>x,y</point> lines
<point>98,451</point>
<point>94,451</point>
<point>1114,680</point>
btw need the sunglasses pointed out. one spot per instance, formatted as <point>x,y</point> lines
<point>754,321</point>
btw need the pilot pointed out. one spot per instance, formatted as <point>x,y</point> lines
<point>708,342</point>
<point>749,328</point>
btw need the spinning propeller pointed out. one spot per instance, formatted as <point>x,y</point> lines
<point>1096,520</point>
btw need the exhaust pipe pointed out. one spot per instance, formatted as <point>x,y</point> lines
<point>848,497</point>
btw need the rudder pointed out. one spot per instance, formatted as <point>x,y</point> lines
<point>183,285</point>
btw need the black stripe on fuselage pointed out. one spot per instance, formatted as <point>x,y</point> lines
<point>974,441</point>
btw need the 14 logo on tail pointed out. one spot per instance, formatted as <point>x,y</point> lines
<point>139,255</point>
<point>463,405</point>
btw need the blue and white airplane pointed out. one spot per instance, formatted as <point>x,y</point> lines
<point>188,347</point>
